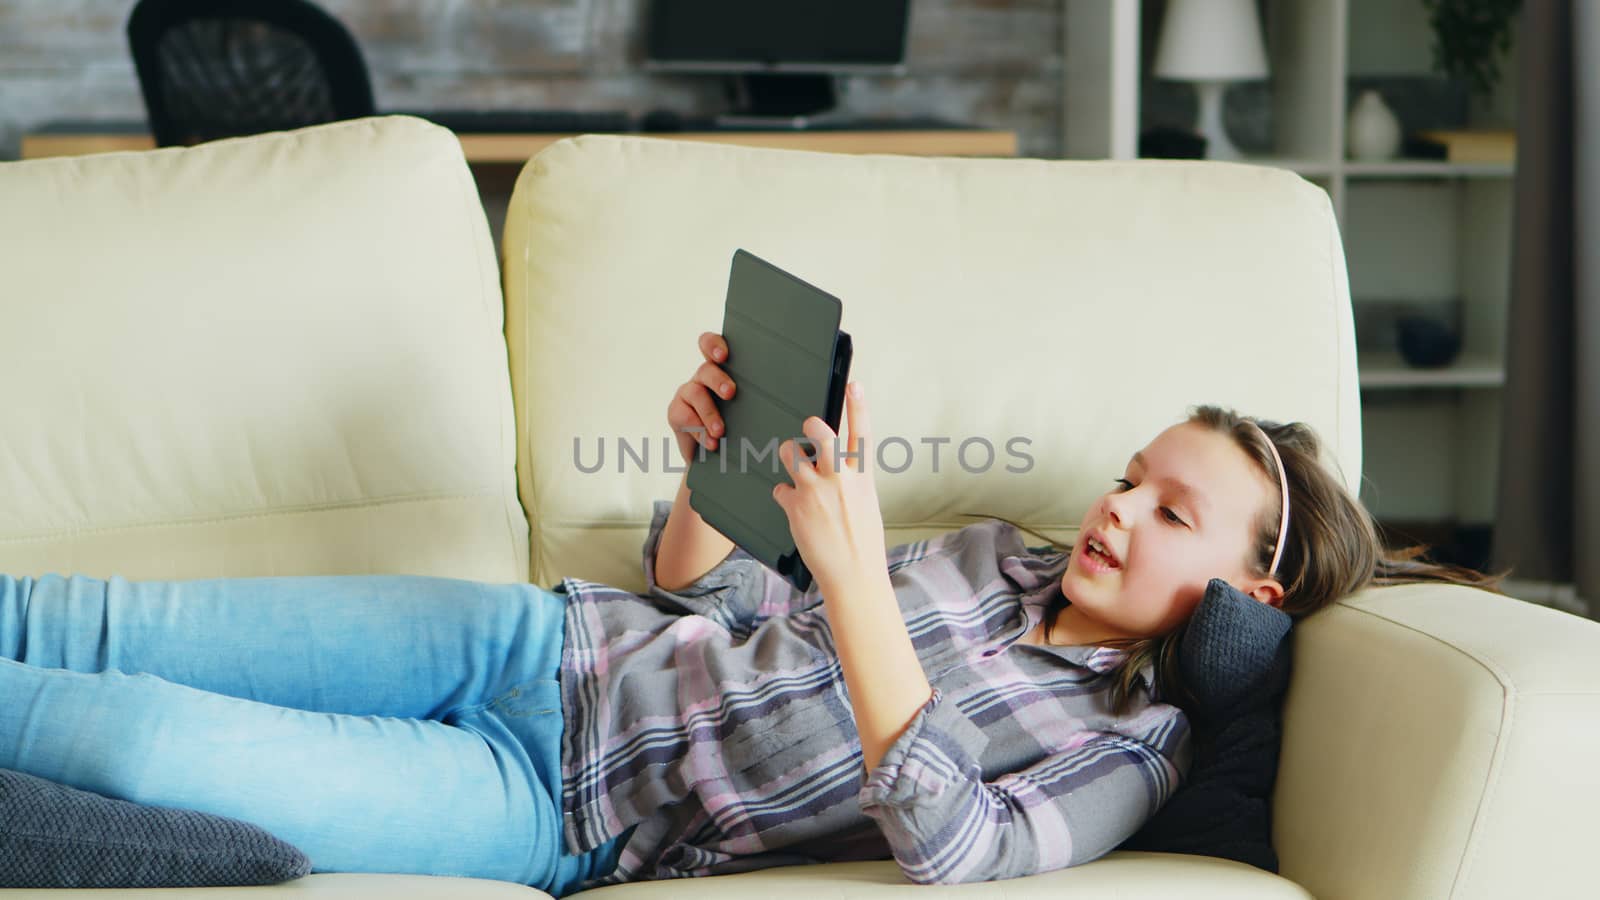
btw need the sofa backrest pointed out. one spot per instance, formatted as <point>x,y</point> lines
<point>1077,306</point>
<point>274,355</point>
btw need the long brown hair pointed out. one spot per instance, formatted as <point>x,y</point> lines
<point>1332,548</point>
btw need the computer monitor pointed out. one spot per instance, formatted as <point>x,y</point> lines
<point>782,55</point>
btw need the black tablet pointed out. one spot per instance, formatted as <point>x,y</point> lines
<point>789,361</point>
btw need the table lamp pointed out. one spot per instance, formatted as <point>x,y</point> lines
<point>1212,43</point>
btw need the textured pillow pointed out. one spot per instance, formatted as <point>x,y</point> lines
<point>54,836</point>
<point>1235,656</point>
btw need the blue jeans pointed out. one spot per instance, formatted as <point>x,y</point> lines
<point>390,723</point>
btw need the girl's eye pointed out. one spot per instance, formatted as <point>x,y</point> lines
<point>1167,511</point>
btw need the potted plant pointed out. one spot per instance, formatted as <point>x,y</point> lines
<point>1471,37</point>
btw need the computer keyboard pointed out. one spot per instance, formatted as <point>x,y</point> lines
<point>571,121</point>
<point>527,121</point>
<point>835,123</point>
<point>659,121</point>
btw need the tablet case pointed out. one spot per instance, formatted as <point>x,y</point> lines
<point>789,361</point>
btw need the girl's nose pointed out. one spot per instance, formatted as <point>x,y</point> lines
<point>1114,508</point>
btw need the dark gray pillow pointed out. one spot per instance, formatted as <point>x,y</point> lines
<point>1236,654</point>
<point>54,836</point>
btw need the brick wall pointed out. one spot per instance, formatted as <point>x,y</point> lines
<point>996,63</point>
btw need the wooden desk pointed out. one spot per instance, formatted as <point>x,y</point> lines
<point>518,148</point>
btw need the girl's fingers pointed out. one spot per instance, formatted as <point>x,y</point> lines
<point>713,347</point>
<point>822,438</point>
<point>715,380</point>
<point>783,457</point>
<point>860,425</point>
<point>794,460</point>
<point>855,404</point>
<point>703,413</point>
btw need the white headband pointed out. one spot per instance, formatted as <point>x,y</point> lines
<point>1283,490</point>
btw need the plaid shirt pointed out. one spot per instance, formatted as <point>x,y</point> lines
<point>716,720</point>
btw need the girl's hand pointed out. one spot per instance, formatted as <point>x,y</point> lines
<point>833,510</point>
<point>692,411</point>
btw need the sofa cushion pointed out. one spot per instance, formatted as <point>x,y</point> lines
<point>55,836</point>
<point>1125,876</point>
<point>291,349</point>
<point>1235,657</point>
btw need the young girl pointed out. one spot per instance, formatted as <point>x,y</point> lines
<point>972,707</point>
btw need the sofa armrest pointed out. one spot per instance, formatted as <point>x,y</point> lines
<point>1439,741</point>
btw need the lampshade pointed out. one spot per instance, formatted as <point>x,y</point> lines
<point>1211,40</point>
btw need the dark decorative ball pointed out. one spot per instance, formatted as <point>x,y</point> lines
<point>1427,343</point>
<point>1166,142</point>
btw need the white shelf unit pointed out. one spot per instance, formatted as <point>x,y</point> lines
<point>1385,370</point>
<point>1422,231</point>
<point>1422,168</point>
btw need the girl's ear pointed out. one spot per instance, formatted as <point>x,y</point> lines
<point>1265,590</point>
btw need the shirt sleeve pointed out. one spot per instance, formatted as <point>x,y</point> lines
<point>946,825</point>
<point>740,592</point>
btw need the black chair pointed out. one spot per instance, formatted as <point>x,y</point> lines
<point>222,68</point>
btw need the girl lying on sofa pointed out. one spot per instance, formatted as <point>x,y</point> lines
<point>971,707</point>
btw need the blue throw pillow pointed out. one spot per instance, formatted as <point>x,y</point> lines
<point>1235,655</point>
<point>54,836</point>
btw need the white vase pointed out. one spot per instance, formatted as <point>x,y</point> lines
<point>1372,131</point>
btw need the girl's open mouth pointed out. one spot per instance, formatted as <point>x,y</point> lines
<point>1095,556</point>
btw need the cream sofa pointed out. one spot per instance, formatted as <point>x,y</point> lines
<point>289,354</point>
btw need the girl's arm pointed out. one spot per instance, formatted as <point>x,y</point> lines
<point>689,547</point>
<point>886,683</point>
<point>833,514</point>
<point>946,825</point>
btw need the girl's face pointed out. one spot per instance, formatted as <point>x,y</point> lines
<point>1185,511</point>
